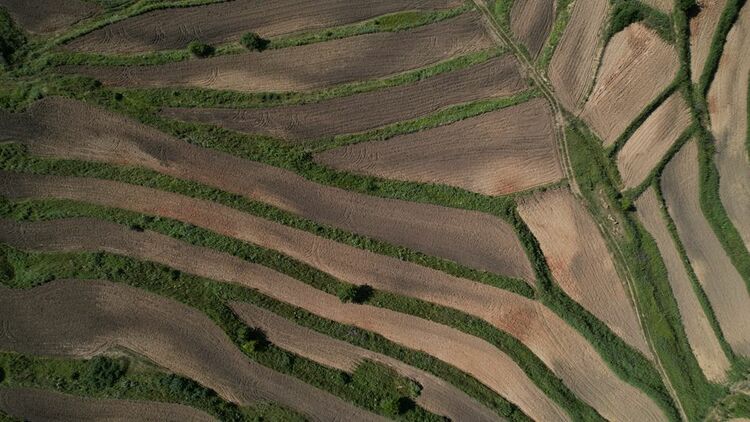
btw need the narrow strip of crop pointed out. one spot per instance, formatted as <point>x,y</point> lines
<point>564,10</point>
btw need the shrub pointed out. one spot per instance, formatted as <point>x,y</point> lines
<point>253,41</point>
<point>11,38</point>
<point>104,372</point>
<point>199,49</point>
<point>355,294</point>
<point>252,339</point>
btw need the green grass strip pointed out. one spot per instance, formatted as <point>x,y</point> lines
<point>597,178</point>
<point>564,11</point>
<point>532,365</point>
<point>211,297</point>
<point>626,12</point>
<point>726,21</point>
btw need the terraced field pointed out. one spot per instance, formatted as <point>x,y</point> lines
<point>420,210</point>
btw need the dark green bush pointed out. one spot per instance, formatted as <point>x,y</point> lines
<point>199,49</point>
<point>103,372</point>
<point>253,41</point>
<point>11,38</point>
<point>355,294</point>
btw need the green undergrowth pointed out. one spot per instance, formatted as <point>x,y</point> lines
<point>442,117</point>
<point>564,9</point>
<point>597,178</point>
<point>211,297</point>
<point>12,39</point>
<point>626,12</point>
<point>394,22</point>
<point>137,380</point>
<point>697,288</point>
<point>726,21</point>
<point>537,371</point>
<point>13,157</point>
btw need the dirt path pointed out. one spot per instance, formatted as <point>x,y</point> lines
<point>467,353</point>
<point>60,128</point>
<point>100,315</point>
<point>308,67</point>
<point>174,28</point>
<point>36,405</point>
<point>725,288</point>
<point>727,106</point>
<point>496,77</point>
<point>437,396</point>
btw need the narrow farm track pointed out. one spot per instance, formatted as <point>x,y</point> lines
<point>557,344</point>
<point>467,353</point>
<point>543,84</point>
<point>99,316</point>
<point>437,396</point>
<point>67,129</point>
<point>37,405</point>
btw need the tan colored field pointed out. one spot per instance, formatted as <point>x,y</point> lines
<point>727,105</point>
<point>725,288</point>
<point>174,28</point>
<point>700,334</point>
<point>637,65</point>
<point>100,316</point>
<point>480,241</point>
<point>702,28</point>
<point>648,144</point>
<point>47,406</point>
<point>557,344</point>
<point>663,5</point>
<point>531,21</point>
<point>576,58</point>
<point>580,262</point>
<point>312,66</point>
<point>43,17</point>
<point>437,396</point>
<point>496,153</point>
<point>465,352</point>
<point>357,113</point>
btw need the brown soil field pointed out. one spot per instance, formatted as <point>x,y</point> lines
<point>357,113</point>
<point>702,28</point>
<point>531,22</point>
<point>700,334</point>
<point>496,153</point>
<point>43,17</point>
<point>216,23</point>
<point>48,406</point>
<point>576,58</point>
<point>312,66</point>
<point>646,148</point>
<point>557,344</point>
<point>580,262</point>
<point>100,316</point>
<point>725,288</point>
<point>437,396</point>
<point>637,65</point>
<point>467,353</point>
<point>471,238</point>
<point>727,105</point>
<point>663,5</point>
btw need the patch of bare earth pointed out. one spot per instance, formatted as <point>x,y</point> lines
<point>46,16</point>
<point>727,101</point>
<point>700,334</point>
<point>725,288</point>
<point>702,28</point>
<point>36,405</point>
<point>312,66</point>
<point>531,22</point>
<point>436,396</point>
<point>467,353</point>
<point>357,113</point>
<point>558,345</point>
<point>580,262</point>
<point>576,57</point>
<point>60,128</point>
<point>637,65</point>
<point>496,153</point>
<point>174,28</point>
<point>100,315</point>
<point>646,148</point>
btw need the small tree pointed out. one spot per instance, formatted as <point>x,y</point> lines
<point>253,41</point>
<point>355,294</point>
<point>199,49</point>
